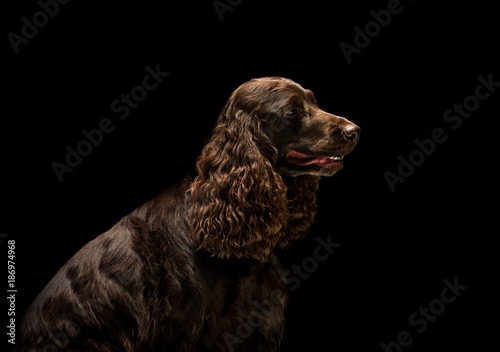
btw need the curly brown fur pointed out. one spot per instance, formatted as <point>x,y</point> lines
<point>238,200</point>
<point>302,199</point>
<point>184,270</point>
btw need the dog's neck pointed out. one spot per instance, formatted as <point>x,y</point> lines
<point>303,206</point>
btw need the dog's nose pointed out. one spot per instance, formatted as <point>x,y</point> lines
<point>351,132</point>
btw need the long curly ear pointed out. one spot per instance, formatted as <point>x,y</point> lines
<point>238,202</point>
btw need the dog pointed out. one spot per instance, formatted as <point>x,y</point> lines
<point>181,271</point>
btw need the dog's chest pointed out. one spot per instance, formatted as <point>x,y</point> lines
<point>237,299</point>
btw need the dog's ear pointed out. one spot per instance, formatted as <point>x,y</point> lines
<point>238,201</point>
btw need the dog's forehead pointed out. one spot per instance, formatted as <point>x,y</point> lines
<point>293,88</point>
<point>279,90</point>
<point>289,89</point>
<point>276,83</point>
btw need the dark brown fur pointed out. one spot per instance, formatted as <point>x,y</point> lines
<point>188,269</point>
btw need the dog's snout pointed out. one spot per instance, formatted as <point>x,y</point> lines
<point>351,132</point>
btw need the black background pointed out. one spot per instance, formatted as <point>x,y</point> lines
<point>396,248</point>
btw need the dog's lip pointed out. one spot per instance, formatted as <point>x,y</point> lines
<point>301,159</point>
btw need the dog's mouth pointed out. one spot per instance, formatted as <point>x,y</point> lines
<point>297,158</point>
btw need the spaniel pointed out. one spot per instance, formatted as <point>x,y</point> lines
<point>194,268</point>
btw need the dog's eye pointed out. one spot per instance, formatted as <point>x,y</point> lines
<point>291,112</point>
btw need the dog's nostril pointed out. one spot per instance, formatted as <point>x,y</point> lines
<point>351,132</point>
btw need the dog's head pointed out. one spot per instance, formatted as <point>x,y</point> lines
<point>309,140</point>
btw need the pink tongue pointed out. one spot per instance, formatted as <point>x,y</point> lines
<point>305,159</point>
<point>322,161</point>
